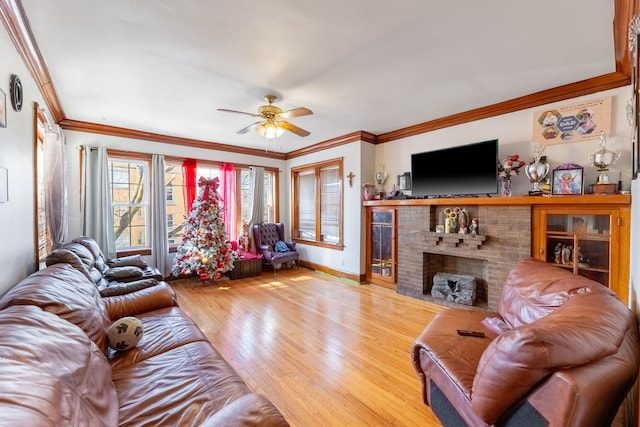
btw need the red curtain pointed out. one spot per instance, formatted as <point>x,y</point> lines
<point>228,199</point>
<point>189,167</point>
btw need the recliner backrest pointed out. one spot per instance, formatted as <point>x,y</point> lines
<point>268,233</point>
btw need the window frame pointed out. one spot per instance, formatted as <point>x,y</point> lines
<point>42,239</point>
<point>316,169</point>
<point>143,249</point>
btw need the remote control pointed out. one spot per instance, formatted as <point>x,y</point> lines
<point>466,333</point>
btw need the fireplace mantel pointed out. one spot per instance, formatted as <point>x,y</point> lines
<point>508,224</point>
<point>585,199</point>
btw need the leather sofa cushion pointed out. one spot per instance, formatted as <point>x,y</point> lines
<point>83,253</point>
<point>191,383</point>
<point>248,410</point>
<point>125,272</point>
<point>132,260</point>
<point>590,325</point>
<point>89,243</point>
<point>64,291</point>
<point>109,289</point>
<point>51,373</point>
<point>62,256</point>
<point>531,292</point>
<point>164,329</point>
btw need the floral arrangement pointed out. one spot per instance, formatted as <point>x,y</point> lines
<point>509,167</point>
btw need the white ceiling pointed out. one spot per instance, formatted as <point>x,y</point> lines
<point>373,65</point>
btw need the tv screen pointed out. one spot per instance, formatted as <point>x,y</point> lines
<point>465,170</point>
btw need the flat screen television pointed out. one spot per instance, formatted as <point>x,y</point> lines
<point>466,170</point>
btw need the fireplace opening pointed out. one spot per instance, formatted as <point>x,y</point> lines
<point>438,263</point>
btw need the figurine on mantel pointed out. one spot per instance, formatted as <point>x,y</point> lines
<point>473,228</point>
<point>463,221</point>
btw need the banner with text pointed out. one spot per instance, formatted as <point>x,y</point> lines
<point>574,122</point>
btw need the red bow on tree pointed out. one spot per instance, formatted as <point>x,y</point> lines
<point>207,184</point>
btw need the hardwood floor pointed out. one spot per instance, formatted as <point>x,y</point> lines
<point>326,352</point>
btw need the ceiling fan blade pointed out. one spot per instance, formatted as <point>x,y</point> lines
<point>293,128</point>
<point>238,112</point>
<point>296,112</point>
<point>248,128</point>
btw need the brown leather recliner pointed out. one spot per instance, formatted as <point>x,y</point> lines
<point>569,356</point>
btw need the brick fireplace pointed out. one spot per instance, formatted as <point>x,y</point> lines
<point>507,231</point>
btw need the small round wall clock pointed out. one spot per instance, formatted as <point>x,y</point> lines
<point>16,92</point>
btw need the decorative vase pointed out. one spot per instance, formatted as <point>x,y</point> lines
<point>505,187</point>
<point>367,194</point>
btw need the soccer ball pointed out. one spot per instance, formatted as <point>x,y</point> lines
<point>125,333</point>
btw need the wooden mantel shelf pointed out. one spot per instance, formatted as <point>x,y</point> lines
<point>585,199</point>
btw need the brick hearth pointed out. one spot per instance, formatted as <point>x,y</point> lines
<point>508,240</point>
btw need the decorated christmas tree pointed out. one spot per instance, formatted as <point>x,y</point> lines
<point>204,249</point>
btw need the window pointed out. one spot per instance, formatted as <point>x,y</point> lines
<point>42,238</point>
<point>317,201</point>
<point>169,192</point>
<point>129,182</point>
<point>130,202</point>
<point>269,195</point>
<point>174,182</point>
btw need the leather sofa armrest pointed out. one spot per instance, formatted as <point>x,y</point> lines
<point>141,301</point>
<point>248,410</point>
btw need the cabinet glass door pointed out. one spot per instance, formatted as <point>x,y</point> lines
<point>381,246</point>
<point>382,243</point>
<point>580,243</point>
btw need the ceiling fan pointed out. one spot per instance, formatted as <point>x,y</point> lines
<point>273,124</point>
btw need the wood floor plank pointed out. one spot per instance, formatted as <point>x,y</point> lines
<point>325,351</point>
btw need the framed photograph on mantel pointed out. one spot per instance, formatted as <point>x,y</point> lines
<point>567,179</point>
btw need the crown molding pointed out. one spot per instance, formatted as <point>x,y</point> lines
<point>74,125</point>
<point>560,93</point>
<point>13,18</point>
<point>332,143</point>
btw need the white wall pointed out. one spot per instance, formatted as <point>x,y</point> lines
<point>349,259</point>
<point>17,258</point>
<point>513,132</point>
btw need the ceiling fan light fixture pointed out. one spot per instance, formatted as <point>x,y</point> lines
<point>269,129</point>
<point>274,121</point>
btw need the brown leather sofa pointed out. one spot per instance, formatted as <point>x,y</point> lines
<point>58,370</point>
<point>568,358</point>
<point>112,276</point>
